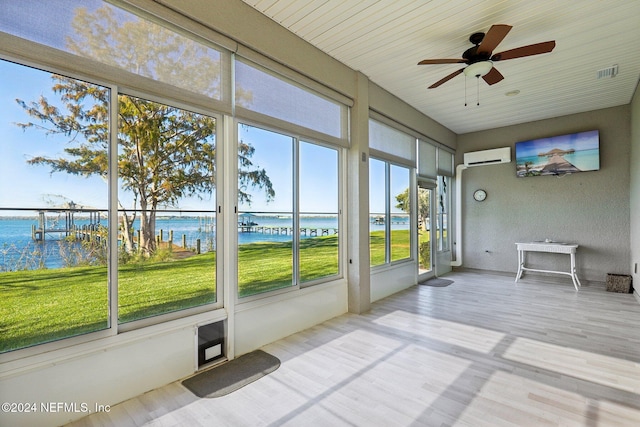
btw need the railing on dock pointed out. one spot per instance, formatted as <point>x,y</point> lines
<point>306,231</point>
<point>89,231</point>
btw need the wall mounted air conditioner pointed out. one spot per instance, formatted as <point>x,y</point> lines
<point>488,157</point>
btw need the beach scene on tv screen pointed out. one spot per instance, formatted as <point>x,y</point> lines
<point>558,155</point>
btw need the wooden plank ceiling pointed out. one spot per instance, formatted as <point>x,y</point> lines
<point>385,39</point>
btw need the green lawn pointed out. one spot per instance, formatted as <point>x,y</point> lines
<point>400,246</point>
<point>267,266</point>
<point>152,288</point>
<point>44,305</point>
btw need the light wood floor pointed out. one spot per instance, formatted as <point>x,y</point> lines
<point>481,352</point>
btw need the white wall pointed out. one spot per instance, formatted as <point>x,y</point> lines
<point>93,374</point>
<point>394,278</point>
<point>590,208</point>
<point>263,321</point>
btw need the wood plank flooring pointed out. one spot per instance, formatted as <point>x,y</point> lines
<point>481,352</point>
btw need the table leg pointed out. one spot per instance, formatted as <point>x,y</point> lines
<point>520,264</point>
<point>574,275</point>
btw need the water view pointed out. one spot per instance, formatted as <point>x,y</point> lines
<point>20,249</point>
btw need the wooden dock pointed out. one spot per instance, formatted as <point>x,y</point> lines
<point>88,231</point>
<point>304,231</point>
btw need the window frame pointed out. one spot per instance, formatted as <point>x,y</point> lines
<point>388,214</point>
<point>50,59</point>
<point>25,52</point>
<point>114,328</point>
<point>340,152</point>
<point>297,285</point>
<point>219,268</point>
<point>294,285</point>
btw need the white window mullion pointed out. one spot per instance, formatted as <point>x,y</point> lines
<point>387,213</point>
<point>113,210</point>
<point>296,211</point>
<point>229,197</point>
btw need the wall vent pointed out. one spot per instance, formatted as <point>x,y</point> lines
<point>608,72</point>
<point>211,344</point>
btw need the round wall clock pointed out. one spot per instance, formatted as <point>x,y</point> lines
<point>479,195</point>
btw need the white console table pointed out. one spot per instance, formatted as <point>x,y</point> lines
<point>552,247</point>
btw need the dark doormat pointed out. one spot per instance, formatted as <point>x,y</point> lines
<point>437,282</point>
<point>233,375</point>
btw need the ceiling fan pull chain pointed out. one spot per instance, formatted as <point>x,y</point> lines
<point>478,90</point>
<point>465,91</point>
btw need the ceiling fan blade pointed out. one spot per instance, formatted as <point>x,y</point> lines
<point>493,76</point>
<point>441,61</point>
<point>446,79</point>
<point>529,50</point>
<point>493,38</point>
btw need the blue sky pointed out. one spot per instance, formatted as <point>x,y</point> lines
<point>578,141</point>
<point>399,181</point>
<point>26,185</point>
<point>318,173</point>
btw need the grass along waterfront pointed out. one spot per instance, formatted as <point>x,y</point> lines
<point>44,305</point>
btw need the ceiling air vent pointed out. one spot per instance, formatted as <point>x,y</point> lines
<point>608,72</point>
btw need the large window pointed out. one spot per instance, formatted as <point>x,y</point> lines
<point>167,209</point>
<point>318,227</point>
<point>57,227</point>
<point>377,212</point>
<point>115,223</point>
<point>54,240</point>
<point>265,214</point>
<point>400,212</point>
<point>288,211</point>
<point>393,151</point>
<point>389,212</point>
<point>115,191</point>
<point>288,215</point>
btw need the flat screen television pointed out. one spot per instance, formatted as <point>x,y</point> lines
<point>559,155</point>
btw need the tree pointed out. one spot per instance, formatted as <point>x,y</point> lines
<point>404,203</point>
<point>164,152</point>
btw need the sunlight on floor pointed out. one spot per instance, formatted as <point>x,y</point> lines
<point>413,371</point>
<point>470,337</point>
<point>605,370</point>
<point>509,399</point>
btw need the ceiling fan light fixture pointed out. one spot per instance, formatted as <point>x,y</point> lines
<point>478,69</point>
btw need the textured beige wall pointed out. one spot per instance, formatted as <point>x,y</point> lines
<point>590,208</point>
<point>635,190</point>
